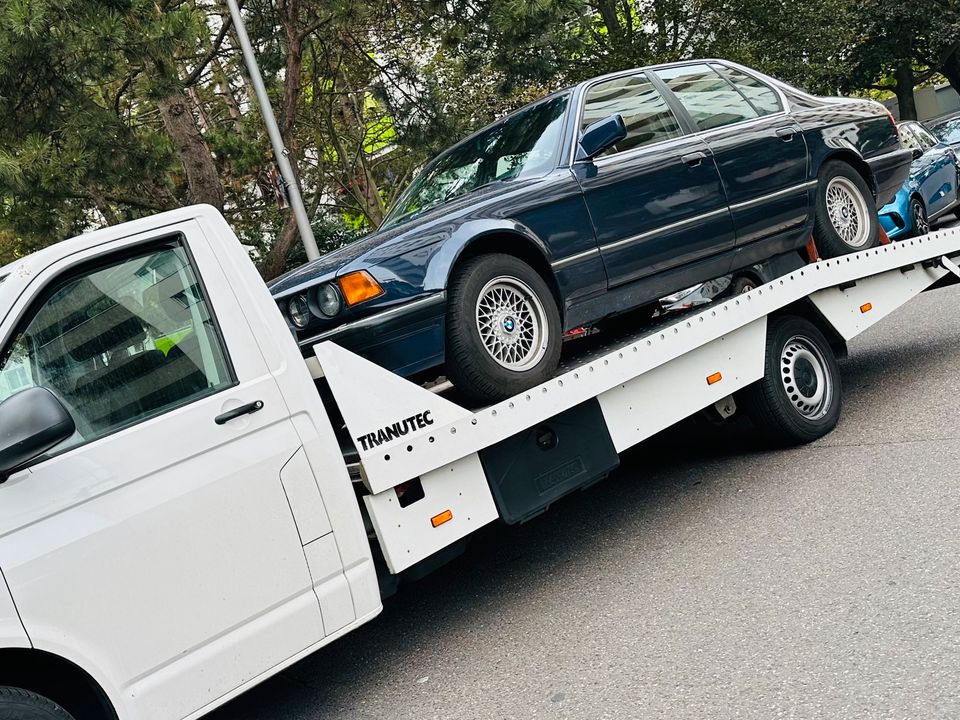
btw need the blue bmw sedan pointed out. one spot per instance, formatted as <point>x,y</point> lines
<point>594,201</point>
<point>931,190</point>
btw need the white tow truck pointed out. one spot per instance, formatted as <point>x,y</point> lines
<point>187,507</point>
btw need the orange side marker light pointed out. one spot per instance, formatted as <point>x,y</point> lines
<point>359,286</point>
<point>866,307</point>
<point>438,520</point>
<point>714,379</point>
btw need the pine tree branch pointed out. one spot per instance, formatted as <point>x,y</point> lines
<point>194,76</point>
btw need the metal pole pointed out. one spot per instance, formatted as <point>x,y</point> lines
<point>282,156</point>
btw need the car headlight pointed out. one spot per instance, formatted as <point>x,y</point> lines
<point>299,311</point>
<point>328,300</point>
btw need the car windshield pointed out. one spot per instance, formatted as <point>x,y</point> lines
<point>524,144</point>
<point>949,131</point>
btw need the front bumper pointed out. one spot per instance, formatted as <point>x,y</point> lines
<point>405,339</point>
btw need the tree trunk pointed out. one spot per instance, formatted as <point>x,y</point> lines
<point>904,90</point>
<point>203,180</point>
<point>951,70</point>
<point>275,261</point>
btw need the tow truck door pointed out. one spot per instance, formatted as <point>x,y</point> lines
<point>158,548</point>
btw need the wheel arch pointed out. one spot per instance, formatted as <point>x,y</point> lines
<point>516,244</point>
<point>805,309</point>
<point>856,161</point>
<point>58,679</point>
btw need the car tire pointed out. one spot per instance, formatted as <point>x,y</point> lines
<point>503,328</point>
<point>18,704</point>
<point>743,284</point>
<point>845,217</point>
<point>799,398</point>
<point>918,218</point>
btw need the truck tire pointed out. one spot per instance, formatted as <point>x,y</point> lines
<point>503,328</point>
<point>799,398</point>
<point>845,217</point>
<point>17,704</point>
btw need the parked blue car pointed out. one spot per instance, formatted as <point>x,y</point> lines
<point>931,190</point>
<point>597,200</point>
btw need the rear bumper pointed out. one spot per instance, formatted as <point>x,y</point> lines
<point>890,171</point>
<point>406,339</point>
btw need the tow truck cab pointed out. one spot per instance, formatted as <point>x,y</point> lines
<point>201,505</point>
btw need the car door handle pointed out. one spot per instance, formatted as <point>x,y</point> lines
<point>247,409</point>
<point>786,134</point>
<point>693,159</point>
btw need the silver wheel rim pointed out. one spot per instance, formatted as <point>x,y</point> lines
<point>920,223</point>
<point>512,323</point>
<point>848,212</point>
<point>803,372</point>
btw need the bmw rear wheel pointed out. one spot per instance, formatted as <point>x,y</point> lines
<point>503,328</point>
<point>845,219</point>
<point>918,215</point>
<point>799,397</point>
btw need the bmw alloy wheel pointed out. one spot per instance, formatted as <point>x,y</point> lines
<point>848,212</point>
<point>512,323</point>
<point>804,376</point>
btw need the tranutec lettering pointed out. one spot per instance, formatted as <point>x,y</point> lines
<point>398,429</point>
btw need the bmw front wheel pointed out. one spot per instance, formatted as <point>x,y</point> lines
<point>503,328</point>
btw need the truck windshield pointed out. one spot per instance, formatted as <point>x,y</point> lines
<point>524,144</point>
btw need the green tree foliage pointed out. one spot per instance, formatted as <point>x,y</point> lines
<point>112,109</point>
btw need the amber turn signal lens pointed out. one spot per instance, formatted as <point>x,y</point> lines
<point>438,520</point>
<point>714,379</point>
<point>359,286</point>
<point>866,307</point>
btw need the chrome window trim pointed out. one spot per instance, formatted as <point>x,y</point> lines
<point>581,96</point>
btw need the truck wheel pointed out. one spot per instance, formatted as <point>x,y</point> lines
<point>503,328</point>
<point>799,398</point>
<point>845,219</point>
<point>918,215</point>
<point>17,704</point>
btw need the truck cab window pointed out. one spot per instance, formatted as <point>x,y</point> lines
<point>120,343</point>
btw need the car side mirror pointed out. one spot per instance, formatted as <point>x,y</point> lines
<point>31,422</point>
<point>917,153</point>
<point>600,136</point>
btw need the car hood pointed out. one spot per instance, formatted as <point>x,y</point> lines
<point>431,227</point>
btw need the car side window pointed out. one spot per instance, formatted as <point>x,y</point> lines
<point>711,101</point>
<point>120,343</point>
<point>908,139</point>
<point>762,97</point>
<point>925,137</point>
<point>645,113</point>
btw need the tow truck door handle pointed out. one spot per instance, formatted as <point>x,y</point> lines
<point>247,409</point>
<point>693,159</point>
<point>786,134</point>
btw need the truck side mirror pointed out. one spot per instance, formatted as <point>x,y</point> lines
<point>601,135</point>
<point>31,422</point>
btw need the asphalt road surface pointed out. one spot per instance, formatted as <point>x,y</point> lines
<point>706,579</point>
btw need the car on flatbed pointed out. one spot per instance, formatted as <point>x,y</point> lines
<point>592,202</point>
